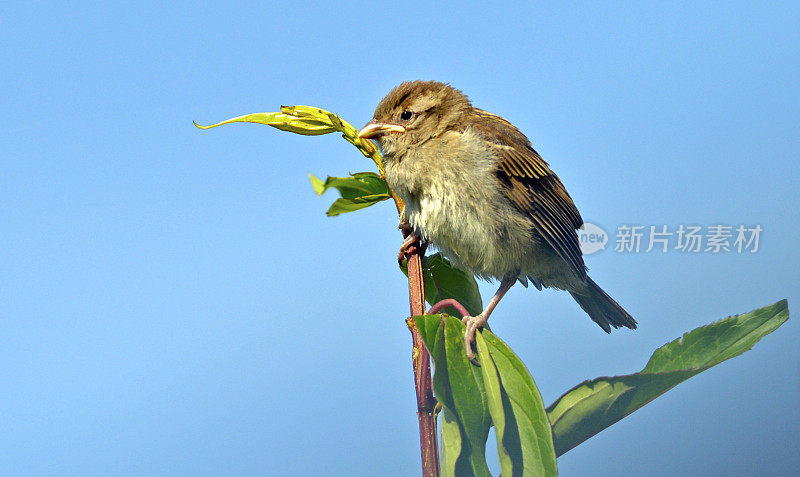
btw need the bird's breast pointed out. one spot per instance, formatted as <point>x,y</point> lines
<point>454,201</point>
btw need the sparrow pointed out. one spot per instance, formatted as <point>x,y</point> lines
<point>475,188</point>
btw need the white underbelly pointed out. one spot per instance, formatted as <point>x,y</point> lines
<point>465,235</point>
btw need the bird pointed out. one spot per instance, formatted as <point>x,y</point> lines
<point>474,187</point>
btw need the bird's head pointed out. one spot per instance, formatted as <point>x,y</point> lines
<point>414,112</point>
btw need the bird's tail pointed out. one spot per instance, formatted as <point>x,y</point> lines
<point>602,309</point>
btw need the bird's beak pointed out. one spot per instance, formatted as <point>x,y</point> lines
<point>373,130</point>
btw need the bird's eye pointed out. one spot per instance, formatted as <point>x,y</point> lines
<point>406,115</point>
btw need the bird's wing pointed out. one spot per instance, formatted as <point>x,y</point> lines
<point>532,187</point>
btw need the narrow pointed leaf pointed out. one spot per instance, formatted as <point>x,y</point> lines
<point>718,341</point>
<point>309,121</point>
<point>282,121</point>
<point>594,405</point>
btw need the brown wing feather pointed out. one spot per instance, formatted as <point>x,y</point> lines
<point>532,187</point>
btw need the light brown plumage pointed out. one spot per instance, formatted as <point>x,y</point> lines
<point>475,188</point>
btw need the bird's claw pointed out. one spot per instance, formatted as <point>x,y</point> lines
<point>411,244</point>
<point>472,323</point>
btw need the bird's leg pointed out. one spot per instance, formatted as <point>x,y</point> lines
<point>475,322</point>
<point>411,244</point>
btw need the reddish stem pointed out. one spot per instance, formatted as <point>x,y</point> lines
<point>426,403</point>
<point>441,305</point>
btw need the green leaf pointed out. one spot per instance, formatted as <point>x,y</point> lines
<point>451,443</point>
<point>497,408</point>
<point>458,386</point>
<point>442,281</point>
<point>358,191</point>
<point>307,112</point>
<point>716,342</point>
<point>524,439</point>
<point>306,120</point>
<point>500,391</point>
<point>309,126</point>
<point>594,405</point>
<point>357,185</point>
<point>341,206</point>
<point>309,121</point>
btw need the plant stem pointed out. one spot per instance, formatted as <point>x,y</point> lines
<point>421,360</point>
<point>426,403</point>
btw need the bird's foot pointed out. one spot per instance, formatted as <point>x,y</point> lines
<point>411,244</point>
<point>472,323</point>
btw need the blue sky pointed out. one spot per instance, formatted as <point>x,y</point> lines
<point>175,302</point>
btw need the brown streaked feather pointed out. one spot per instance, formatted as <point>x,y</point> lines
<point>532,187</point>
